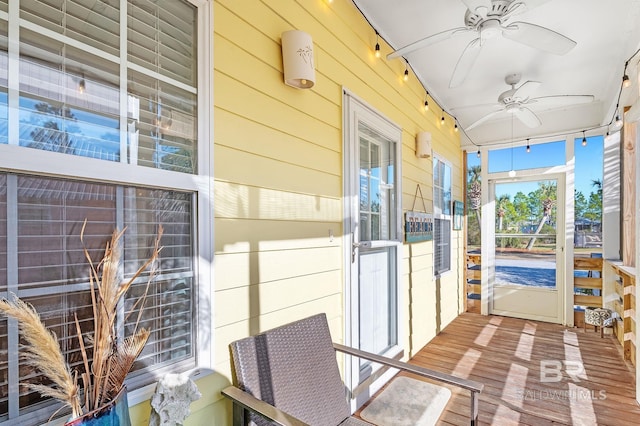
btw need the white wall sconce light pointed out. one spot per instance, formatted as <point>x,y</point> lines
<point>423,145</point>
<point>297,59</point>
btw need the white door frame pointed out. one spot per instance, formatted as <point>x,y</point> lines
<point>354,111</point>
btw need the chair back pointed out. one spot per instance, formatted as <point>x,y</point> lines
<point>294,368</point>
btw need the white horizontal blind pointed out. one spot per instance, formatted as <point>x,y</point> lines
<point>442,246</point>
<point>161,35</point>
<point>93,22</point>
<point>4,366</point>
<point>165,127</point>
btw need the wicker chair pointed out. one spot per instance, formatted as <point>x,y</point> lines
<point>289,376</point>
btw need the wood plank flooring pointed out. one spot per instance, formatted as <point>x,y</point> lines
<point>534,373</point>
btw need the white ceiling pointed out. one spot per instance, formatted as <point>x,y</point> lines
<point>607,33</point>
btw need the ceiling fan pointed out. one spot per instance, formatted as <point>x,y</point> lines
<point>518,101</point>
<point>488,19</point>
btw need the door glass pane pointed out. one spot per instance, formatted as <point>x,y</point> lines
<point>377,194</point>
<point>526,229</point>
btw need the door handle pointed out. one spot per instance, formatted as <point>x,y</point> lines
<point>354,246</point>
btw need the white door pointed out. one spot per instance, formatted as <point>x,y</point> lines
<point>372,240</point>
<point>526,274</point>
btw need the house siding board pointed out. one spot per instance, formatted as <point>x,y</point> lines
<point>278,177</point>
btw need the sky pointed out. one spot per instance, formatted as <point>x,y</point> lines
<point>589,161</point>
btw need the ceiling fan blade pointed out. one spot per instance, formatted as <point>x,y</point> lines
<point>560,100</point>
<point>526,89</point>
<point>527,117</point>
<point>474,5</point>
<point>538,37</point>
<point>428,41</point>
<point>516,7</point>
<point>466,61</point>
<point>483,119</point>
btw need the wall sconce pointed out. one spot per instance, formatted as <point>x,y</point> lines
<point>297,59</point>
<point>423,145</point>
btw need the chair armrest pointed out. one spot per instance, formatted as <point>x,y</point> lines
<point>266,410</point>
<point>470,385</point>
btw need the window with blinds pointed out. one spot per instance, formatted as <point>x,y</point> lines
<point>80,98</point>
<point>441,216</point>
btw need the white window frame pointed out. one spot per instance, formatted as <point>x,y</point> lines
<point>17,159</point>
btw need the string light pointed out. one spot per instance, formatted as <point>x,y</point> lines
<point>442,120</point>
<point>377,46</point>
<point>528,146</point>
<point>625,81</point>
<point>82,86</point>
<point>625,78</point>
<point>584,139</point>
<point>406,71</point>
<point>426,101</point>
<point>455,126</point>
<point>478,154</point>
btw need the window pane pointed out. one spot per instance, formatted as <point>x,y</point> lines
<point>442,245</point>
<point>51,215</point>
<point>94,22</point>
<point>377,201</point>
<point>53,270</point>
<point>517,158</point>
<point>4,71</point>
<point>65,105</point>
<point>162,37</point>
<point>162,127</point>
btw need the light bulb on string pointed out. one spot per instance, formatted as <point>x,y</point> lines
<point>528,146</point>
<point>478,154</point>
<point>584,139</point>
<point>442,120</point>
<point>455,127</point>
<point>377,46</point>
<point>625,78</point>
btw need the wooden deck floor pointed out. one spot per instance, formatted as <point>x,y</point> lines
<point>510,355</point>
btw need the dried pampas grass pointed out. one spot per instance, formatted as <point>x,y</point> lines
<point>113,357</point>
<point>42,351</point>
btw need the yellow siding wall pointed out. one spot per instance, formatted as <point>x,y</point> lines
<point>278,179</point>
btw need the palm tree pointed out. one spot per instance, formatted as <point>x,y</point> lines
<point>547,197</point>
<point>474,191</point>
<point>502,202</point>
